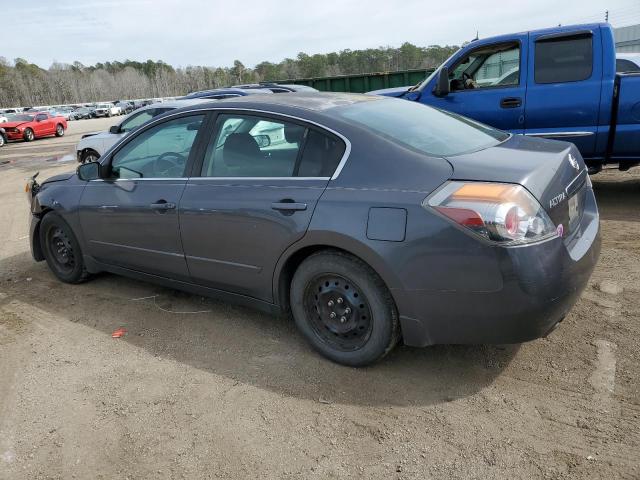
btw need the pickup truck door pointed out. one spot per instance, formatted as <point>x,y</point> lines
<point>488,84</point>
<point>563,87</point>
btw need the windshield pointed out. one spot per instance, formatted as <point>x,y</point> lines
<point>103,106</point>
<point>424,83</point>
<point>422,128</point>
<point>21,118</point>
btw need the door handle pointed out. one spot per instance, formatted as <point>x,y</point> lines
<point>162,205</point>
<point>288,206</point>
<point>511,102</point>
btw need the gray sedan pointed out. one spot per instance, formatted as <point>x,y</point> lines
<point>369,220</point>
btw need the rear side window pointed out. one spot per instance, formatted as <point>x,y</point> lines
<point>559,60</point>
<point>624,66</point>
<point>321,155</point>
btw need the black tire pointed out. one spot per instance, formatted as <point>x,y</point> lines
<point>62,250</point>
<point>59,130</point>
<point>344,309</point>
<point>90,156</point>
<point>2,140</point>
<point>28,135</point>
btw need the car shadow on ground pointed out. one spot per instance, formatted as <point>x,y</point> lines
<point>248,346</point>
<point>617,200</point>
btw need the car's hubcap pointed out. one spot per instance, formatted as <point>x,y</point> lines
<point>338,311</point>
<point>29,134</point>
<point>61,250</point>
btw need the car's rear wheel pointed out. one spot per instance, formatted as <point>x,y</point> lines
<point>62,250</point>
<point>28,135</point>
<point>59,130</point>
<point>344,309</point>
<point>90,156</point>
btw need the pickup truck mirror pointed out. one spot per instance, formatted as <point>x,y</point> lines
<point>114,129</point>
<point>442,83</point>
<point>89,171</point>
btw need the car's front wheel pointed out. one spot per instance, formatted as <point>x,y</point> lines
<point>344,309</point>
<point>2,141</point>
<point>62,250</point>
<point>90,156</point>
<point>28,135</point>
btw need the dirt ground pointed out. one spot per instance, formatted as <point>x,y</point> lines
<point>199,389</point>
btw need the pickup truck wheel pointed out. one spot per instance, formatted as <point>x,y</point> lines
<point>28,135</point>
<point>62,250</point>
<point>59,130</point>
<point>90,156</point>
<point>344,309</point>
<point>108,114</point>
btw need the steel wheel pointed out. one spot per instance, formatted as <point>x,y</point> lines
<point>61,249</point>
<point>338,311</point>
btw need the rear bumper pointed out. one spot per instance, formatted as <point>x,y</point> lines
<point>539,286</point>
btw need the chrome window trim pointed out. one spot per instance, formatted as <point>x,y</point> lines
<point>559,134</point>
<point>146,179</point>
<point>341,164</point>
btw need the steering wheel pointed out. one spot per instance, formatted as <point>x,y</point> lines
<point>169,164</point>
<point>468,80</point>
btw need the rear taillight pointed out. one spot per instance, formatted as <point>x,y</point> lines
<point>503,213</point>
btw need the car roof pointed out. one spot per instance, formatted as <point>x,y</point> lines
<point>635,57</point>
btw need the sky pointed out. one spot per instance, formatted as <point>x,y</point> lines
<point>214,33</point>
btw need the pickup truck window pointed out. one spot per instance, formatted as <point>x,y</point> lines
<point>487,66</point>
<point>568,59</point>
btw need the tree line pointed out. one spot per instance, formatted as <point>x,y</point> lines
<point>26,84</point>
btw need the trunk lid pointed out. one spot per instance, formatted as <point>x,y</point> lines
<point>553,172</point>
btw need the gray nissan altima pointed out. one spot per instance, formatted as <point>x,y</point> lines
<point>369,220</point>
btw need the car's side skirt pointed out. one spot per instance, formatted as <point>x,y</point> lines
<point>94,266</point>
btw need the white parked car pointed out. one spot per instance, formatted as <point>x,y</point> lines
<point>107,110</point>
<point>93,145</point>
<point>627,62</point>
<point>3,118</point>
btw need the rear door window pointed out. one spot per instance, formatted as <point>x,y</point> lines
<point>565,59</point>
<point>624,66</point>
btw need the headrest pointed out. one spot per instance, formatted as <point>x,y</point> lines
<point>240,148</point>
<point>293,133</point>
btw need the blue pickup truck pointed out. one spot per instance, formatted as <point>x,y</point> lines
<point>555,83</point>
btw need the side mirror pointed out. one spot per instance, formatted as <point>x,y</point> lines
<point>262,140</point>
<point>114,129</point>
<point>89,171</point>
<point>442,83</point>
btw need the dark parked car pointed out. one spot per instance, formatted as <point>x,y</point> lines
<point>224,93</point>
<point>372,220</point>
<point>82,113</point>
<point>277,87</point>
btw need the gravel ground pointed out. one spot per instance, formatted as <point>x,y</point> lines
<point>200,389</point>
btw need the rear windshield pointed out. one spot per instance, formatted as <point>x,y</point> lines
<point>422,128</point>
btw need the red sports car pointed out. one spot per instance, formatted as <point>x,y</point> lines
<point>28,126</point>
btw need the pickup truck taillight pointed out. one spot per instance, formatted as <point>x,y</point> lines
<point>503,213</point>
